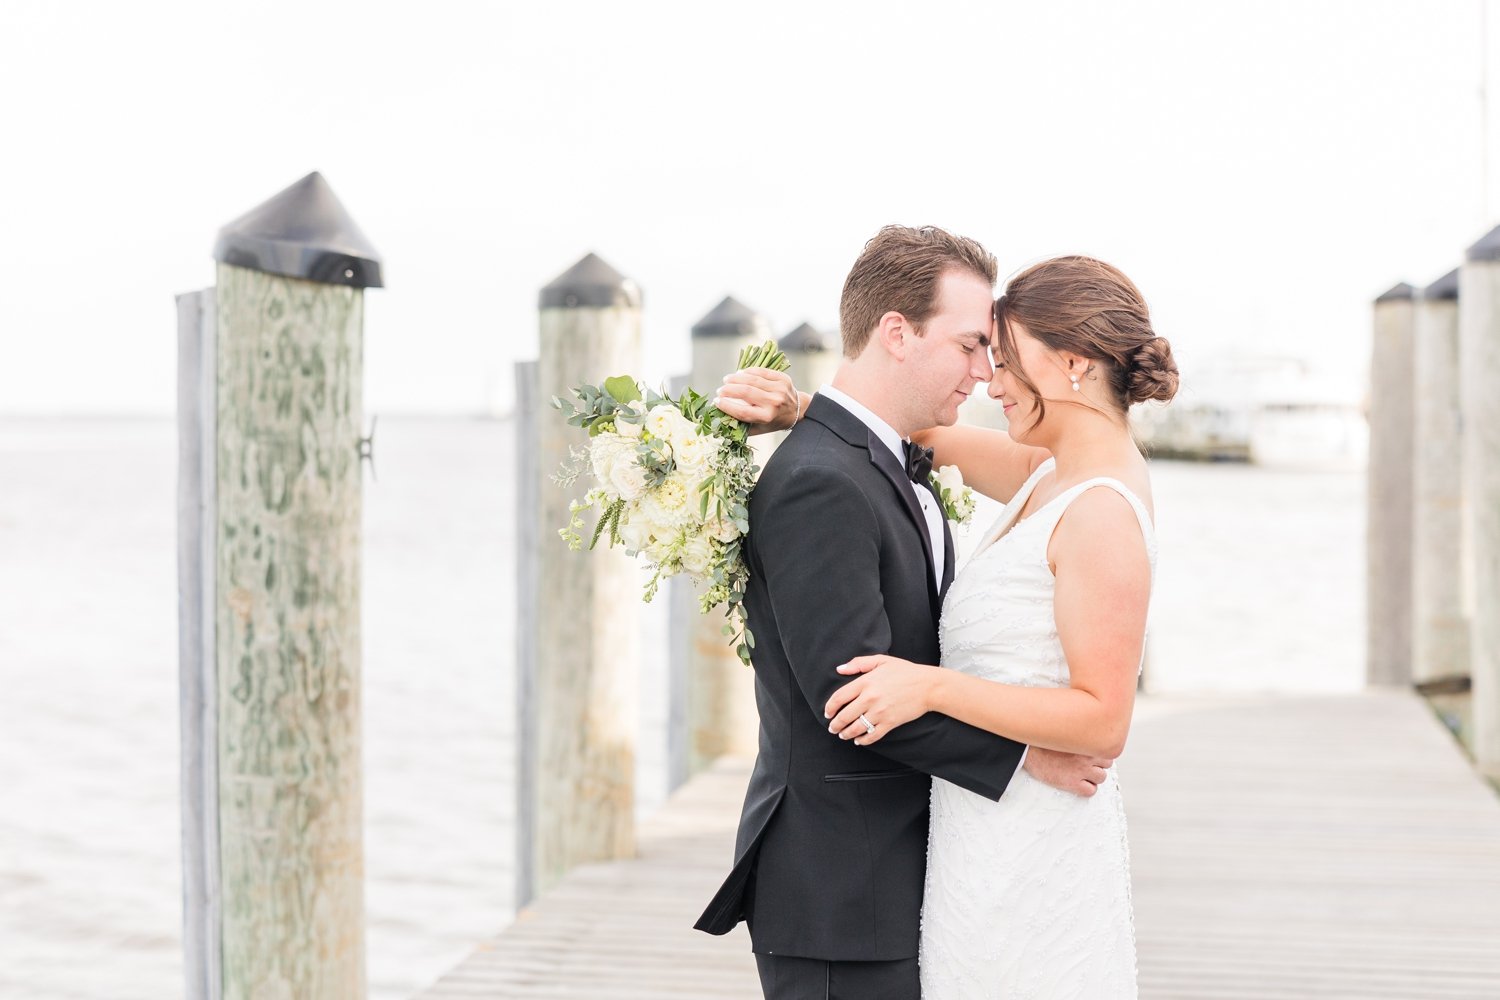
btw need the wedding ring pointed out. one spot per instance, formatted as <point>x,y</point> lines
<point>869,726</point>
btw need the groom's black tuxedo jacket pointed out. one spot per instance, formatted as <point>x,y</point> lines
<point>832,846</point>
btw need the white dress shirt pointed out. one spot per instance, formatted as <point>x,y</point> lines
<point>892,440</point>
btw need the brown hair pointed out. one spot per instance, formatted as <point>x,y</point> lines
<point>898,271</point>
<point>1089,308</point>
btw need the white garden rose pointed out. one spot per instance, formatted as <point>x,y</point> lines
<point>697,555</point>
<point>605,450</point>
<point>665,421</point>
<point>695,454</point>
<point>627,477</point>
<point>721,529</point>
<point>635,533</point>
<point>950,478</point>
<point>629,429</point>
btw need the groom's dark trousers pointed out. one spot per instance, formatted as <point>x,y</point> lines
<point>831,853</point>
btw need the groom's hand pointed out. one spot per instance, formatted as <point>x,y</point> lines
<point>1070,772</point>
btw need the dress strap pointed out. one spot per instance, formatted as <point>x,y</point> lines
<point>1007,519</point>
<point>1143,516</point>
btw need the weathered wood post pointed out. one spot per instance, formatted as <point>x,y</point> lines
<point>197,520</point>
<point>1389,608</point>
<point>721,689</point>
<point>682,624</point>
<point>530,480</point>
<point>1440,629</point>
<point>1479,367</point>
<point>588,605</point>
<point>275,867</point>
<point>814,356</point>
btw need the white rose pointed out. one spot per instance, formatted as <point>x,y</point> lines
<point>665,422</point>
<point>950,478</point>
<point>626,428</point>
<point>604,452</point>
<point>697,554</point>
<point>679,428</point>
<point>635,530</point>
<point>721,529</point>
<point>695,453</point>
<point>627,477</point>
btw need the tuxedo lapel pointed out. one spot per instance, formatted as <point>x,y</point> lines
<point>948,556</point>
<point>854,432</point>
<point>882,459</point>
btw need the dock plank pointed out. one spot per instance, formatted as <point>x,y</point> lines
<point>1282,847</point>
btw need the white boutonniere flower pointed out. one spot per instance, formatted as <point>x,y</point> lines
<point>958,499</point>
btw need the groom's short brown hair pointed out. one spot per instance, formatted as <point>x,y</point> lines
<point>898,271</point>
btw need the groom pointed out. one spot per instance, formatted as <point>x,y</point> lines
<point>849,553</point>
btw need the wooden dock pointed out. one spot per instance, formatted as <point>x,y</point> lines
<point>1282,847</point>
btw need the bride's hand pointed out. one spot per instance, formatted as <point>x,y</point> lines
<point>765,399</point>
<point>892,695</point>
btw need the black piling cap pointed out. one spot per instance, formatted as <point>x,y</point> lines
<point>1487,248</point>
<point>1445,287</point>
<point>303,232</point>
<point>590,284</point>
<point>1398,293</point>
<point>805,339</point>
<point>730,318</point>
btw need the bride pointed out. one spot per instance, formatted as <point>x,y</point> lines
<point>1042,636</point>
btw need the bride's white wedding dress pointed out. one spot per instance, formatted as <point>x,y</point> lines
<point>1028,897</point>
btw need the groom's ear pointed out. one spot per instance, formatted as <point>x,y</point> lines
<point>893,332</point>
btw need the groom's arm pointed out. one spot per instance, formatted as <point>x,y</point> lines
<point>817,543</point>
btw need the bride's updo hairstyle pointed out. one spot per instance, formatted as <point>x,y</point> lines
<point>1089,308</point>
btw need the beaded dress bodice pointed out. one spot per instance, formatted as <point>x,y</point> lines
<point>1028,897</point>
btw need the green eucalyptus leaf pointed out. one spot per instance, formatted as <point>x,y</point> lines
<point>622,388</point>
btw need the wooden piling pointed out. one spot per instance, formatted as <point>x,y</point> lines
<point>1389,608</point>
<point>814,356</point>
<point>1440,628</point>
<point>682,618</point>
<point>288,350</point>
<point>197,530</point>
<point>530,477</point>
<point>588,615</point>
<point>721,692</point>
<point>1479,364</point>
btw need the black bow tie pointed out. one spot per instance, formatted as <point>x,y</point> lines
<point>918,462</point>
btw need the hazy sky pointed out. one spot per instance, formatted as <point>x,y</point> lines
<point>1262,170</point>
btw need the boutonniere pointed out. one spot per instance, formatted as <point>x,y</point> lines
<point>958,499</point>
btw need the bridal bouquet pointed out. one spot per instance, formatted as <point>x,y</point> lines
<point>673,484</point>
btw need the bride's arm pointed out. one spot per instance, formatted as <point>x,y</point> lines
<point>990,460</point>
<point>766,400</point>
<point>1100,604</point>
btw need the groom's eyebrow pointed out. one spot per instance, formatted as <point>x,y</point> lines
<point>982,338</point>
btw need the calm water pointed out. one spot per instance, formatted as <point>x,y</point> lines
<point>1260,588</point>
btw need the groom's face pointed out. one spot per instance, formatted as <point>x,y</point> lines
<point>952,354</point>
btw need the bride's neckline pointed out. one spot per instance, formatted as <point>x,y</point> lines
<point>1019,501</point>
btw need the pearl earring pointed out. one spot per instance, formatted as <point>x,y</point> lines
<point>1075,383</point>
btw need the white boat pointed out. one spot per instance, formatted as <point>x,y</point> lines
<point>1272,411</point>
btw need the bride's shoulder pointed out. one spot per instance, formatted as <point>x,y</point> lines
<point>1103,508</point>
